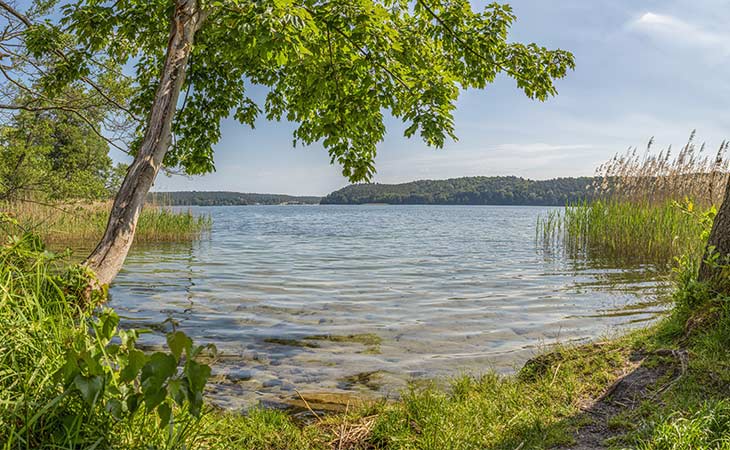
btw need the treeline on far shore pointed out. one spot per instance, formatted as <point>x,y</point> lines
<point>509,190</point>
<point>224,198</point>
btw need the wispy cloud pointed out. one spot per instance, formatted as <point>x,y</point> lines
<point>528,159</point>
<point>679,32</point>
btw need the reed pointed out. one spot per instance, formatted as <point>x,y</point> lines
<point>623,232</point>
<point>647,209</point>
<point>694,172</point>
<point>80,224</point>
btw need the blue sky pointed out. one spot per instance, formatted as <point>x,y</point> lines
<point>643,68</point>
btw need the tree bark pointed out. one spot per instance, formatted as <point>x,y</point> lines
<point>719,242</point>
<point>107,259</point>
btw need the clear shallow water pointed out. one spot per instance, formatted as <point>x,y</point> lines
<point>446,290</point>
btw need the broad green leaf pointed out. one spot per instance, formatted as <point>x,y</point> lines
<point>164,412</point>
<point>134,363</point>
<point>89,387</point>
<point>179,342</point>
<point>115,408</point>
<point>197,375</point>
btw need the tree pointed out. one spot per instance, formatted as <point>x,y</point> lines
<point>715,267</point>
<point>53,154</point>
<point>333,67</point>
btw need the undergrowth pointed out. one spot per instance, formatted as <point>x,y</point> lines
<point>70,378</point>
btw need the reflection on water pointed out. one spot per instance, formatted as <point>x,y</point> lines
<point>365,298</point>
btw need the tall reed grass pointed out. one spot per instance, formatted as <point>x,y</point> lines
<point>82,224</point>
<point>647,208</point>
<point>693,172</point>
<point>623,232</point>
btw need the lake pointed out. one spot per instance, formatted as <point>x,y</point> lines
<point>365,299</point>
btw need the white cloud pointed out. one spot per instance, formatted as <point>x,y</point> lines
<point>679,32</point>
<point>539,147</point>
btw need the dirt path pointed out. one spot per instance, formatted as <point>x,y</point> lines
<point>645,379</point>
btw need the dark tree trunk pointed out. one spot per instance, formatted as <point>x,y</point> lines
<point>719,242</point>
<point>107,259</point>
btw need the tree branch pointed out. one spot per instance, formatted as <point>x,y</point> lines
<point>463,43</point>
<point>27,22</point>
<point>74,111</point>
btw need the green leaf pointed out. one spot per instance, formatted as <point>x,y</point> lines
<point>135,361</point>
<point>70,369</point>
<point>197,375</point>
<point>109,322</point>
<point>179,342</point>
<point>178,390</point>
<point>164,412</point>
<point>115,408</point>
<point>133,402</point>
<point>154,394</point>
<point>89,387</point>
<point>155,373</point>
<point>160,366</point>
<point>196,404</point>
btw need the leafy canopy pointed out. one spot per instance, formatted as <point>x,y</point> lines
<point>334,67</point>
<point>50,153</point>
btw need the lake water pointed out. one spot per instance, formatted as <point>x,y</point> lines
<point>367,298</point>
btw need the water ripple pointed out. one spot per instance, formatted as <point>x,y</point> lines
<point>445,289</point>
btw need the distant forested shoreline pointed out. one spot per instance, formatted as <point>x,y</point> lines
<point>509,190</point>
<point>224,198</point>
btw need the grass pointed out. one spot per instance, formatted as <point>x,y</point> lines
<point>693,172</point>
<point>82,224</point>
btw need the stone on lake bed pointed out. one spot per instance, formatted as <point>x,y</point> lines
<point>239,375</point>
<point>371,341</point>
<point>286,386</point>
<point>332,402</point>
<point>291,342</point>
<point>272,383</point>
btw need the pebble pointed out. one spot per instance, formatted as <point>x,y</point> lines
<point>272,383</point>
<point>239,375</point>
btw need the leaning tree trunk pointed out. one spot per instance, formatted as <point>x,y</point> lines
<point>107,259</point>
<point>719,243</point>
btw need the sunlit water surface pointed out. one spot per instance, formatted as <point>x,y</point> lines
<point>446,289</point>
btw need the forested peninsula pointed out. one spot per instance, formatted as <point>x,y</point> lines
<point>509,190</point>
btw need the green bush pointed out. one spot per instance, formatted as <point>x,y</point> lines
<point>70,378</point>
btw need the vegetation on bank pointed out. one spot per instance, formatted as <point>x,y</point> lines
<point>77,224</point>
<point>648,208</point>
<point>70,378</point>
<point>618,231</point>
<point>55,154</point>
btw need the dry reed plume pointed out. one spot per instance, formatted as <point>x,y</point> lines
<point>694,173</point>
<point>647,208</point>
